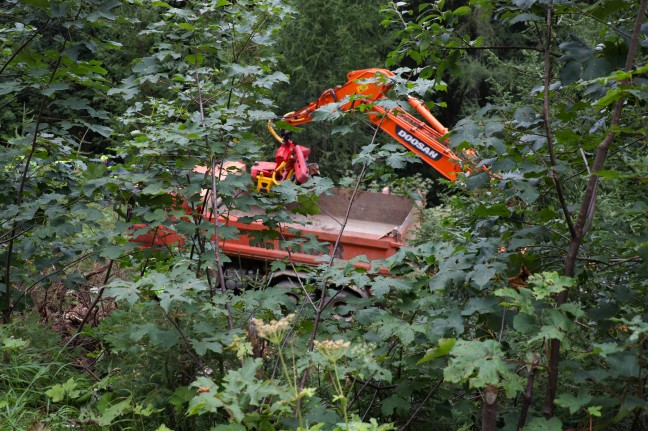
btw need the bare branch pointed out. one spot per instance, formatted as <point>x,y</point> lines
<point>24,45</point>
<point>420,406</point>
<point>547,123</point>
<point>323,302</point>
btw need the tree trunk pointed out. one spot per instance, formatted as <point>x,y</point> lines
<point>489,410</point>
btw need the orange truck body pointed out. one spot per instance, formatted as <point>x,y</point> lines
<point>377,226</point>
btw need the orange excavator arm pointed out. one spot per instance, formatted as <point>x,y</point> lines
<point>366,86</point>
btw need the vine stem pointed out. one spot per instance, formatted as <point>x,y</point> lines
<point>97,299</point>
<point>186,341</point>
<point>217,253</point>
<point>343,399</point>
<point>291,381</point>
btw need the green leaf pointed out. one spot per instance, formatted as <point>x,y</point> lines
<point>11,343</point>
<point>328,112</point>
<point>54,87</point>
<point>186,26</point>
<point>462,10</point>
<point>524,17</point>
<point>443,348</point>
<point>526,117</point>
<point>173,292</point>
<point>605,349</point>
<point>595,411</point>
<point>202,346</point>
<point>542,424</point>
<point>56,393</point>
<point>111,252</point>
<point>480,305</point>
<point>574,403</point>
<point>549,283</point>
<point>570,73</point>
<point>624,364</point>
<point>493,210</point>
<point>394,403</point>
<point>481,275</point>
<point>40,4</point>
<point>548,332</point>
<point>195,59</point>
<point>605,8</point>
<point>68,389</point>
<point>481,364</point>
<point>229,427</point>
<point>108,415</point>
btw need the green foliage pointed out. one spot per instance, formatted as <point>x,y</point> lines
<point>481,364</point>
<point>240,391</point>
<point>41,388</point>
<point>328,39</point>
<point>469,308</point>
<point>516,217</point>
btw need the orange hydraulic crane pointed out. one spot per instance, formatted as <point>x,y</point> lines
<point>363,87</point>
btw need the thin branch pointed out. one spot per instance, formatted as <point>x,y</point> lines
<point>91,274</point>
<point>18,235</point>
<point>348,213</point>
<point>97,299</point>
<point>283,345</point>
<point>605,23</point>
<point>495,47</point>
<point>214,202</point>
<point>217,252</point>
<point>356,396</point>
<point>368,409</point>
<point>400,15</point>
<point>420,406</point>
<point>502,325</point>
<point>589,199</point>
<point>186,342</point>
<point>45,277</point>
<point>374,386</point>
<point>102,289</point>
<point>24,45</point>
<point>23,180</point>
<point>292,265</point>
<point>612,262</point>
<point>528,393</point>
<point>547,122</point>
<point>323,303</point>
<point>469,47</point>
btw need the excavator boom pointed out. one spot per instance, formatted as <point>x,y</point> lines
<point>362,87</point>
<point>367,86</point>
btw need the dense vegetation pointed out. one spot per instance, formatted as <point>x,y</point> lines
<point>521,304</point>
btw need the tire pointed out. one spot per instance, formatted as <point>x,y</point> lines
<point>340,299</point>
<point>292,291</point>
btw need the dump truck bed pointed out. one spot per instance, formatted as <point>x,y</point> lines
<point>376,228</point>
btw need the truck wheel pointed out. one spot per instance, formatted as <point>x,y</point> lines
<point>336,304</point>
<point>291,290</point>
